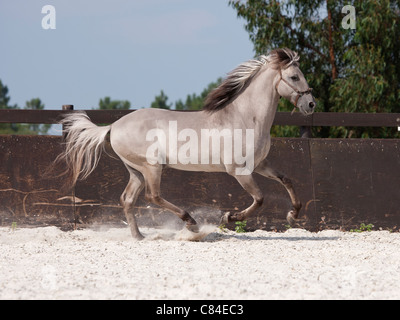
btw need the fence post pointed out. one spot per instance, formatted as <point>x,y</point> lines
<point>70,107</point>
<point>305,132</point>
<point>66,107</point>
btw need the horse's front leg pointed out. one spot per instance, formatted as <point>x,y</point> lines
<point>248,183</point>
<point>265,170</point>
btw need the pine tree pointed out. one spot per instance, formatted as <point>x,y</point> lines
<point>160,101</point>
<point>108,104</point>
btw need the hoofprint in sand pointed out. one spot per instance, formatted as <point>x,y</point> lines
<point>47,263</point>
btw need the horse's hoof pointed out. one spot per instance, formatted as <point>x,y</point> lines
<point>138,237</point>
<point>291,219</point>
<point>225,218</point>
<point>193,228</point>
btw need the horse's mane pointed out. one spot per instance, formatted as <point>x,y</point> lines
<point>238,79</point>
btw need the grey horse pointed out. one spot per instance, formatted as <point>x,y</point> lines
<point>236,119</point>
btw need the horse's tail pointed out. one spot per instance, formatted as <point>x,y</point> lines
<point>84,143</point>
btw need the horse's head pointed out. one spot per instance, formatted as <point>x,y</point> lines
<point>290,82</point>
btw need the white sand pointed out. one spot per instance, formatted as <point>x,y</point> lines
<point>46,263</point>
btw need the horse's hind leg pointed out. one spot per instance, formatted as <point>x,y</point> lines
<point>152,177</point>
<point>265,170</point>
<point>128,199</point>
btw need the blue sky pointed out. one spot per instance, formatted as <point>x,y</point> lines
<point>128,50</point>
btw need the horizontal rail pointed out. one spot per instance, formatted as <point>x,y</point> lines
<point>54,116</point>
<point>318,119</point>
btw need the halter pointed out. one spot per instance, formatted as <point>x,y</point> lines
<point>299,93</point>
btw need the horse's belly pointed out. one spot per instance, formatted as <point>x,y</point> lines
<point>198,167</point>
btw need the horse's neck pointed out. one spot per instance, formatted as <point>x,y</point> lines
<point>258,103</point>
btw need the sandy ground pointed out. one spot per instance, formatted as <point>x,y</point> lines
<point>47,263</point>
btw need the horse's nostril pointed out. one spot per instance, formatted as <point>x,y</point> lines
<point>311,105</point>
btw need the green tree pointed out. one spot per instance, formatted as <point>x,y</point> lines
<point>161,101</point>
<point>108,104</point>
<point>35,104</point>
<point>350,70</point>
<point>194,101</point>
<point>14,128</point>
<point>6,128</point>
<point>4,98</point>
<point>369,79</point>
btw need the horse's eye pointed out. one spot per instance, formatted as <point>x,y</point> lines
<point>295,78</point>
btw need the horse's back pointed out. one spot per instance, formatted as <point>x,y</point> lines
<point>132,134</point>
